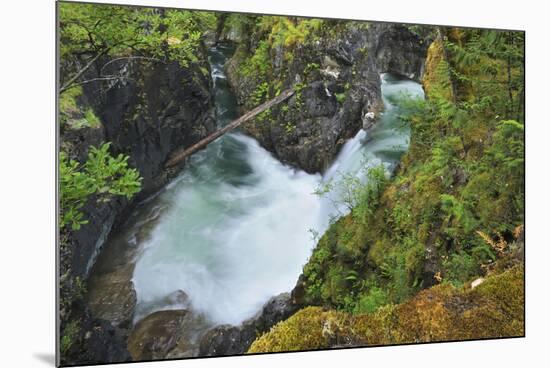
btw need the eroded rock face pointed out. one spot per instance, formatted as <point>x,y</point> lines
<point>166,334</point>
<point>339,79</point>
<point>338,86</point>
<point>232,340</point>
<point>157,108</point>
<point>399,51</point>
<point>112,296</point>
<point>96,342</point>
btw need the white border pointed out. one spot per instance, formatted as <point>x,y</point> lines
<point>27,180</point>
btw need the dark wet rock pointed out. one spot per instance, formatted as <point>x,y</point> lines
<point>155,335</point>
<point>178,297</point>
<point>336,100</point>
<point>157,108</point>
<point>298,294</point>
<point>96,341</point>
<point>176,300</point>
<point>166,334</point>
<point>112,296</point>
<point>276,309</point>
<point>232,340</point>
<point>226,340</point>
<point>399,51</point>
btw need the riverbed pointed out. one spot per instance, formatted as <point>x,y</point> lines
<point>236,226</point>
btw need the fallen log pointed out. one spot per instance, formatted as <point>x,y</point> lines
<point>181,155</point>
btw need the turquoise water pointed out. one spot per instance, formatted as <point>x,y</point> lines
<point>234,229</point>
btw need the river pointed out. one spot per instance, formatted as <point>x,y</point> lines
<point>235,227</point>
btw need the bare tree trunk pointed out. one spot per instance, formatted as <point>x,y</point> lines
<point>71,82</point>
<point>183,154</point>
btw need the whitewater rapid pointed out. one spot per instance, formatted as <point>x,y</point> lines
<point>236,226</point>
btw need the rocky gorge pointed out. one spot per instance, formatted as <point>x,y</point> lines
<point>152,110</point>
<point>337,74</point>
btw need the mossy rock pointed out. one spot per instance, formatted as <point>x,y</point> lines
<point>435,81</point>
<point>493,309</point>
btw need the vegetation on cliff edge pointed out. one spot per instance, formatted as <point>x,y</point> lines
<point>459,191</point>
<point>444,312</point>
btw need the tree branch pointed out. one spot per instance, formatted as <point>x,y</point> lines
<point>107,78</point>
<point>71,81</point>
<point>130,58</point>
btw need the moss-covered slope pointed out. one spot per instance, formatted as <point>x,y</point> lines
<point>493,309</point>
<point>452,213</point>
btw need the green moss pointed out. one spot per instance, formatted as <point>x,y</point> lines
<point>69,336</point>
<point>309,328</point>
<point>369,302</point>
<point>68,106</point>
<point>463,173</point>
<point>436,80</point>
<point>289,127</point>
<point>67,100</point>
<point>73,115</point>
<point>441,313</point>
<point>91,119</point>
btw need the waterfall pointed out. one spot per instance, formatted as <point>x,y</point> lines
<point>236,225</point>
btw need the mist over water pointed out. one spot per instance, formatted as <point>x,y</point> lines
<point>235,228</point>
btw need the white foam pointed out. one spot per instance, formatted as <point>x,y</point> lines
<point>230,246</point>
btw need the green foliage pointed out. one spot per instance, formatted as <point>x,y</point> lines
<point>120,30</point>
<point>259,64</point>
<point>91,118</point>
<point>371,301</point>
<point>311,68</point>
<point>494,309</point>
<point>460,267</point>
<point>288,31</point>
<point>69,335</point>
<point>260,94</point>
<point>367,196</point>
<point>340,97</point>
<point>290,127</point>
<point>463,173</point>
<point>335,273</point>
<point>102,175</point>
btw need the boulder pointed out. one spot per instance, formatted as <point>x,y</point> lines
<point>233,340</point>
<point>166,334</point>
<point>112,296</point>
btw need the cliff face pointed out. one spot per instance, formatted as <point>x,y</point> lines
<point>154,109</point>
<point>335,71</point>
<point>399,51</point>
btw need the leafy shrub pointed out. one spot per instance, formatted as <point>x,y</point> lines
<point>371,301</point>
<point>174,34</point>
<point>69,336</point>
<point>102,175</point>
<point>340,97</point>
